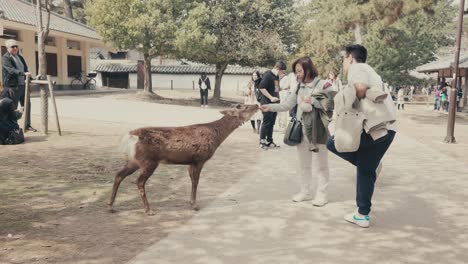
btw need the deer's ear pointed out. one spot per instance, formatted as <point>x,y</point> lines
<point>226,112</point>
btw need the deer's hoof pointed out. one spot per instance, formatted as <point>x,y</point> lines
<point>150,213</point>
<point>111,209</point>
<point>195,207</point>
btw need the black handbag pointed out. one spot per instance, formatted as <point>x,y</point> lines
<point>293,133</point>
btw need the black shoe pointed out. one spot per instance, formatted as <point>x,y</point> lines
<point>272,145</point>
<point>30,128</point>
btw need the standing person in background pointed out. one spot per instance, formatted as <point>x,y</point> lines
<point>401,98</point>
<point>269,87</point>
<point>459,98</point>
<point>251,98</point>
<point>437,98</point>
<point>333,81</point>
<point>204,85</point>
<point>444,97</point>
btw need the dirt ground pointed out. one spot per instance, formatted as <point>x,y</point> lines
<point>54,193</point>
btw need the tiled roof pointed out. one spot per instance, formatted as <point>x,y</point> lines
<point>24,12</point>
<point>444,63</point>
<point>174,69</point>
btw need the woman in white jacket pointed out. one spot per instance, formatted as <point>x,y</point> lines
<point>307,82</point>
<point>251,98</point>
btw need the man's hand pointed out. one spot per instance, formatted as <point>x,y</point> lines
<point>274,99</point>
<point>306,99</point>
<point>361,90</point>
<point>264,108</point>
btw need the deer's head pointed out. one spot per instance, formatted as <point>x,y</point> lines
<point>243,112</point>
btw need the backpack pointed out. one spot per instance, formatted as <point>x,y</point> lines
<point>15,136</point>
<point>203,85</point>
<point>258,93</point>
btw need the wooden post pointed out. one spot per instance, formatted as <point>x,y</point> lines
<point>172,85</point>
<point>26,102</point>
<point>193,85</point>
<point>54,104</point>
<point>465,90</point>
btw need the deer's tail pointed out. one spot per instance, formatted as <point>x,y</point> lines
<point>128,146</point>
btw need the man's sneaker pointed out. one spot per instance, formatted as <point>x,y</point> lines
<point>30,128</point>
<point>263,144</point>
<point>272,145</point>
<point>358,219</point>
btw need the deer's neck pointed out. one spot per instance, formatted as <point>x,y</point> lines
<point>224,127</point>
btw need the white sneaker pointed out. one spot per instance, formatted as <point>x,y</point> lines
<point>319,202</point>
<point>358,219</point>
<point>302,196</point>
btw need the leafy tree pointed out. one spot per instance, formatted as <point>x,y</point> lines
<point>409,42</point>
<point>243,32</point>
<point>392,30</point>
<point>148,26</point>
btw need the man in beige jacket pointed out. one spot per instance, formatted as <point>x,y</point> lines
<point>374,101</point>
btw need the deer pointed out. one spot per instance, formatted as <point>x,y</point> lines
<point>144,149</point>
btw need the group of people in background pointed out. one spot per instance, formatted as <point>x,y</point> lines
<point>442,96</point>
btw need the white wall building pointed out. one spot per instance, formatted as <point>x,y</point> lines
<point>124,75</point>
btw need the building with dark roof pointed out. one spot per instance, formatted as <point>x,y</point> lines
<point>125,75</point>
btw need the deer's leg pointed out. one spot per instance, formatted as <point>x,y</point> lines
<point>194,171</point>
<point>128,169</point>
<point>146,172</point>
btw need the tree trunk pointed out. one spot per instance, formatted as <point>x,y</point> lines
<point>220,68</point>
<point>42,34</point>
<point>67,8</point>
<point>357,33</point>
<point>148,87</point>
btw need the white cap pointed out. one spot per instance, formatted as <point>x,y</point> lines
<point>10,43</point>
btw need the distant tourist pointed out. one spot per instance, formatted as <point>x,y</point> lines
<point>204,85</point>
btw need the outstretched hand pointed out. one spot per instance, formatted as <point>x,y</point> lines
<point>265,108</point>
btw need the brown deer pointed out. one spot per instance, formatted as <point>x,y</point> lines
<point>146,148</point>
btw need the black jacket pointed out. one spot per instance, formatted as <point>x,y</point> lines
<point>10,71</point>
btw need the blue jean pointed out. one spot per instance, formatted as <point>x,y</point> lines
<point>366,159</point>
<point>204,96</point>
<point>437,103</point>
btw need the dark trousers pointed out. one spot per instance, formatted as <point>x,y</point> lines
<point>269,119</point>
<point>204,97</point>
<point>366,159</point>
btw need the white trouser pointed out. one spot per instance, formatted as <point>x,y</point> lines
<point>316,160</point>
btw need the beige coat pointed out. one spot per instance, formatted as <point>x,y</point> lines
<point>377,108</point>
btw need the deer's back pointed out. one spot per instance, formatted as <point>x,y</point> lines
<point>176,145</point>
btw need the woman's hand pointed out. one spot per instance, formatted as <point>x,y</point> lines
<point>265,108</point>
